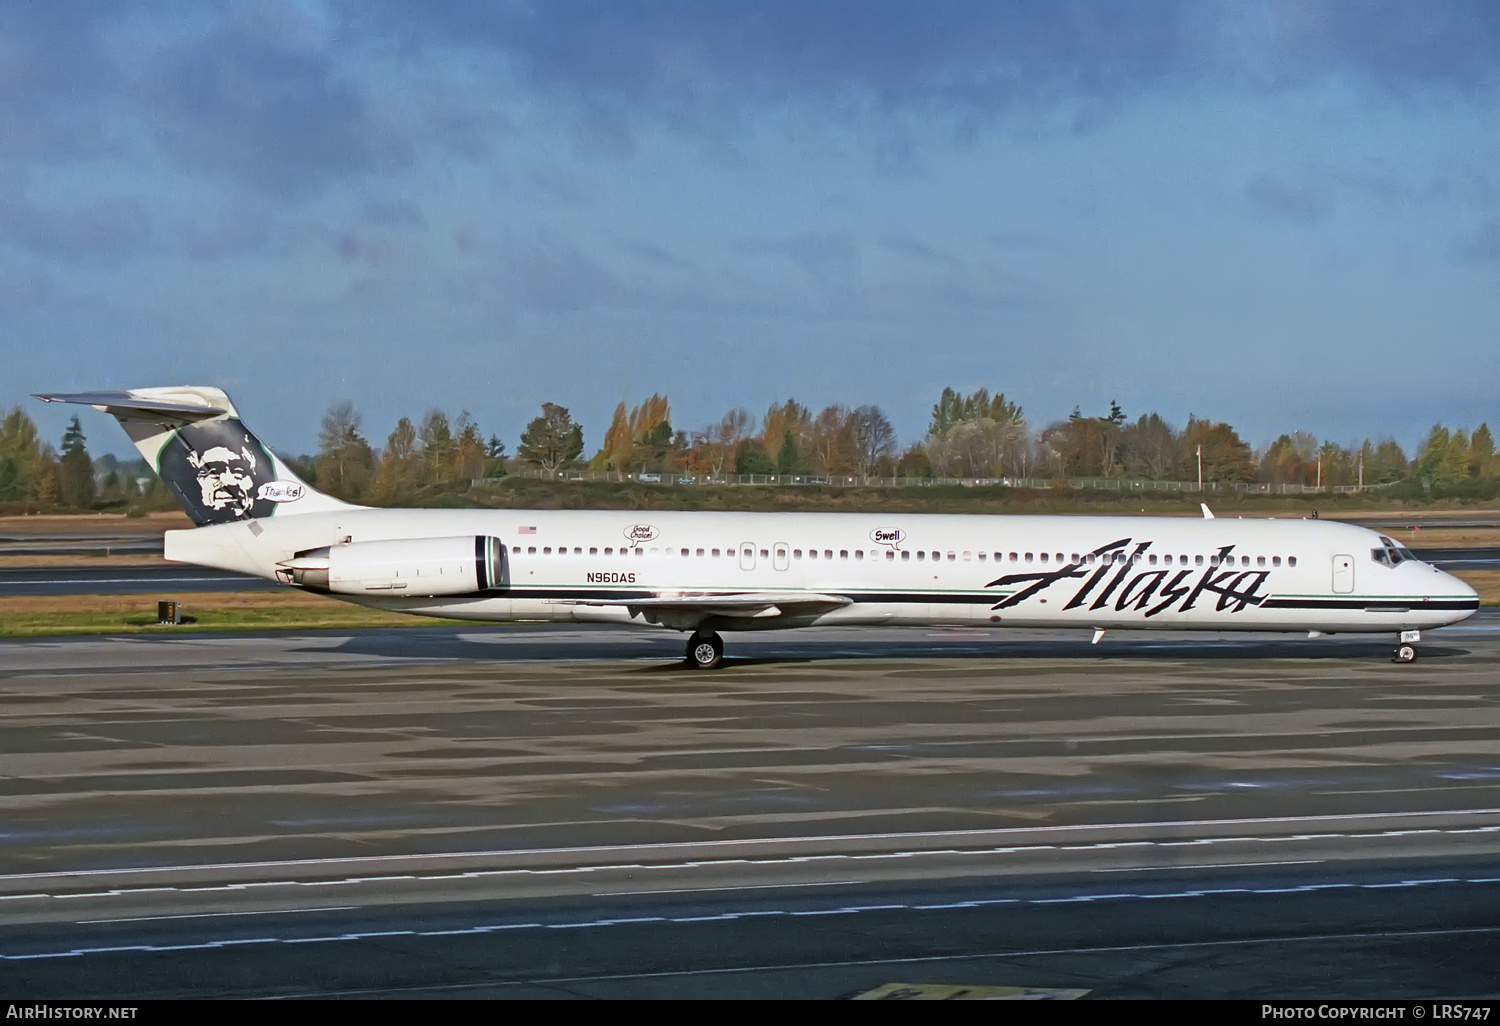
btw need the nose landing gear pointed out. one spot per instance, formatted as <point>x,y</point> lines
<point>1406,652</point>
<point>705,650</point>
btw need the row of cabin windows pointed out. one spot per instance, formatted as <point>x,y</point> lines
<point>922,555</point>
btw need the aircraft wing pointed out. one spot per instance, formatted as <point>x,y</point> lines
<point>746,604</point>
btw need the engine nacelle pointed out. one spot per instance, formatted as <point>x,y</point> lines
<point>417,567</point>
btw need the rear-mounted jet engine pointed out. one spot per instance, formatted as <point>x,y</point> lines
<point>418,567</point>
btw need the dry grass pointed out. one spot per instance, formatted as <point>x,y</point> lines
<point>125,614</point>
<point>1442,537</point>
<point>93,523</point>
<point>102,562</point>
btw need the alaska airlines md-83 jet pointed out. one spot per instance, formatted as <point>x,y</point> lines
<point>703,573</point>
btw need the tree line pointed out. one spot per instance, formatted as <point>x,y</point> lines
<point>974,435</point>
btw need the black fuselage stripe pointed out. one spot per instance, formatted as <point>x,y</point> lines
<point>983,598</point>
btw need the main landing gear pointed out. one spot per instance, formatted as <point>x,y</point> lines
<point>705,650</point>
<point>1406,652</point>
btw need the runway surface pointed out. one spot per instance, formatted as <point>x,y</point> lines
<point>177,578</point>
<point>535,811</point>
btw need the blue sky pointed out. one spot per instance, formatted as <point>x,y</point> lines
<point>1284,214</point>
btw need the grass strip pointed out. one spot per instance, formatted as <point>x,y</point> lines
<point>27,617</point>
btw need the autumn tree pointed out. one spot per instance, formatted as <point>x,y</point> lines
<point>720,442</point>
<point>551,440</point>
<point>873,439</point>
<point>976,435</point>
<point>784,434</point>
<point>468,448</point>
<point>830,440</point>
<point>1149,448</point>
<point>1226,457</point>
<point>345,462</point>
<point>21,456</point>
<point>439,452</point>
<point>636,437</point>
<point>400,463</point>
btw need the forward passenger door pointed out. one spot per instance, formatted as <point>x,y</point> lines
<point>1343,575</point>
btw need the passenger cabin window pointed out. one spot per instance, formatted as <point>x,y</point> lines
<point>843,553</point>
<point>859,553</point>
<point>1198,560</point>
<point>906,557</point>
<point>921,555</point>
<point>1275,560</point>
<point>593,550</point>
<point>796,553</point>
<point>516,550</point>
<point>531,550</point>
<point>1291,561</point>
<point>716,553</point>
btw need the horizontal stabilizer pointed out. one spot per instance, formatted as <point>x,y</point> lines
<point>182,407</point>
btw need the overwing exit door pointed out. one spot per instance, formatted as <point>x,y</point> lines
<point>1343,575</point>
<point>779,558</point>
<point>747,556</point>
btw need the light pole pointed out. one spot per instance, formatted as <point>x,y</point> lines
<point>1200,468</point>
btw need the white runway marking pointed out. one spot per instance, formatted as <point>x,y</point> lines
<point>799,913</point>
<point>811,839</point>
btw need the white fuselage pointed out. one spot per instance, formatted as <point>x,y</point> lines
<point>1000,571</point>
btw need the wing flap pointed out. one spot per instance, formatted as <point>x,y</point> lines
<point>738,604</point>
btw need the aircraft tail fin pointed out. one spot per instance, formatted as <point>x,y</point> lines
<point>219,472</point>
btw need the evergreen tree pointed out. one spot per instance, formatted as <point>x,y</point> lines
<point>76,471</point>
<point>551,440</point>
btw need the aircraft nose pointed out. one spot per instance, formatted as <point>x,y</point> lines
<point>1462,591</point>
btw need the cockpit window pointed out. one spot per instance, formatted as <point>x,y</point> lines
<point>1391,553</point>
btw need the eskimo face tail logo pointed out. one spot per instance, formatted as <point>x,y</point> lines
<point>221,473</point>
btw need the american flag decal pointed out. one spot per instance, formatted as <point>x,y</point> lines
<point>528,530</point>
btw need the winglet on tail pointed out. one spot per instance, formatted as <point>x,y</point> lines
<point>193,438</point>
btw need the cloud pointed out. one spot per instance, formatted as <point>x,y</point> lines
<point>54,72</point>
<point>1479,246</point>
<point>110,229</point>
<point>689,61</point>
<point>281,120</point>
<point>1303,204</point>
<point>822,257</point>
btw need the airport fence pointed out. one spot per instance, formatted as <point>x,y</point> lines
<point>1113,484</point>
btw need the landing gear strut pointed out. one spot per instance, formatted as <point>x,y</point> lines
<point>705,650</point>
<point>1406,652</point>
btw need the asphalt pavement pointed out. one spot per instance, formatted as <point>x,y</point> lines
<point>569,812</point>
